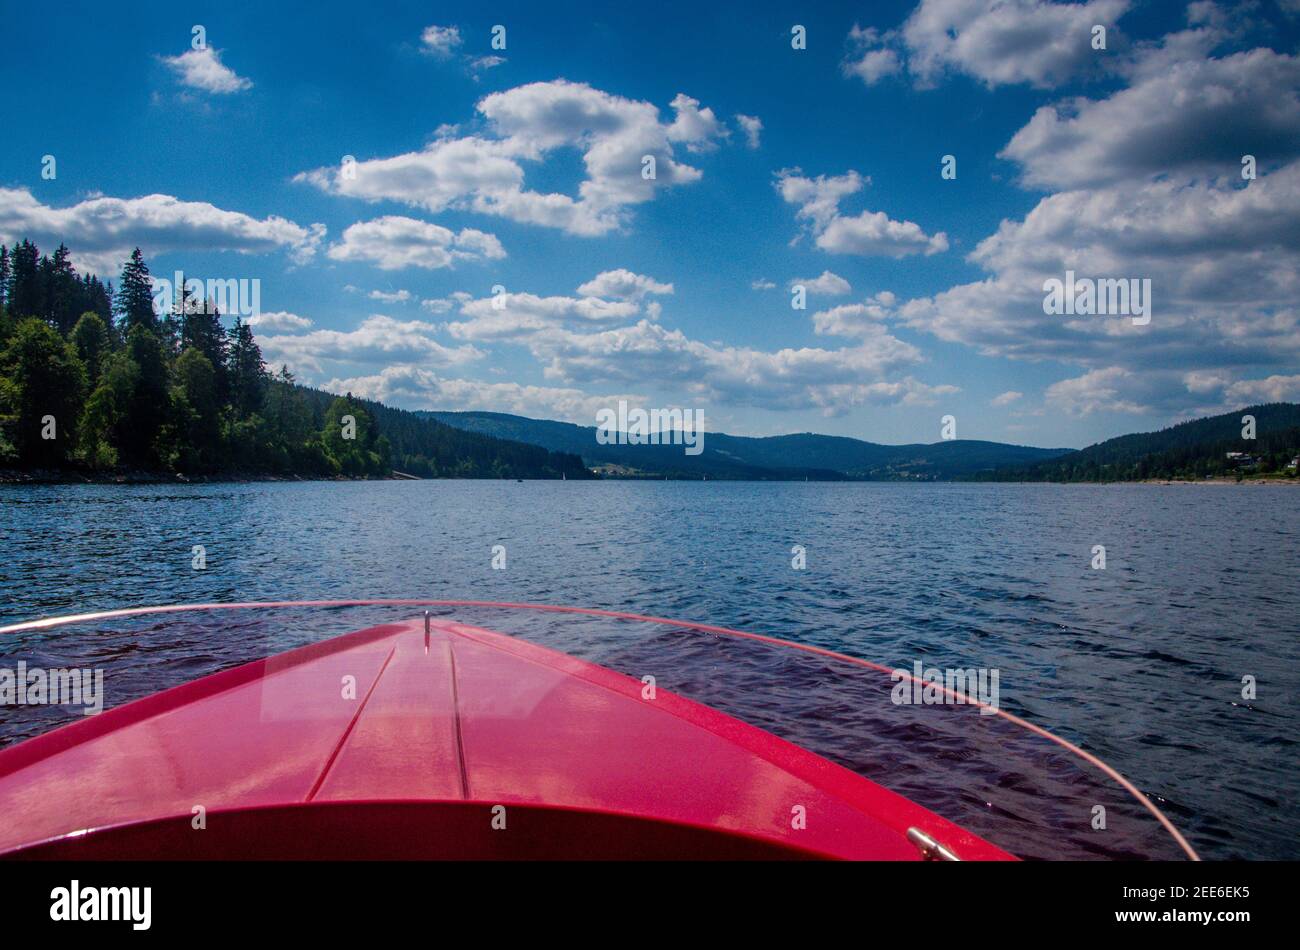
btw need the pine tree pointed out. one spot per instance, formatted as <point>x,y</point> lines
<point>140,430</point>
<point>97,298</point>
<point>4,276</point>
<point>90,338</point>
<point>247,371</point>
<point>197,412</point>
<point>135,296</point>
<point>24,281</point>
<point>201,330</point>
<point>6,321</point>
<point>63,291</point>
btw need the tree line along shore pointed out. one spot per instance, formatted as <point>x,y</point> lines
<point>97,385</point>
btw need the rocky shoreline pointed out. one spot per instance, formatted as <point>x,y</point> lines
<point>67,477</point>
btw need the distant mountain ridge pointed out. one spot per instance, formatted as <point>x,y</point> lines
<point>1196,449</point>
<point>424,447</point>
<point>782,457</point>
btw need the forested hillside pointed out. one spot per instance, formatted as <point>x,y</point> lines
<point>1194,450</point>
<point>98,381</point>
<point>797,456</point>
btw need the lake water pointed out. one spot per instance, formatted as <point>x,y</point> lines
<point>1140,663</point>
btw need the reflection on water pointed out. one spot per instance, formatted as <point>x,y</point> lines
<point>1140,663</point>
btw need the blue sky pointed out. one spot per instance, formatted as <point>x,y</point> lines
<point>520,168</point>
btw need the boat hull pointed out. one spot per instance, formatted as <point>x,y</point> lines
<point>458,742</point>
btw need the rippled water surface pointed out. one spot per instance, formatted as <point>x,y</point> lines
<point>1140,663</point>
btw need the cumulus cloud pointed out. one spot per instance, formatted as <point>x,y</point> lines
<point>1223,259</point>
<point>1101,390</point>
<point>390,296</point>
<point>440,41</point>
<point>762,284</point>
<point>485,173</point>
<point>828,284</point>
<point>1004,42</point>
<point>875,65</point>
<point>277,321</point>
<point>871,60</point>
<point>416,387</point>
<point>379,339</point>
<point>101,231</point>
<point>855,319</point>
<point>444,304</point>
<point>1147,194</point>
<point>832,381</point>
<point>623,284</point>
<point>1157,126</point>
<point>1243,392</point>
<point>514,316</point>
<point>202,69</point>
<point>611,342</point>
<point>865,234</point>
<point>752,126</point>
<point>698,128</point>
<point>394,242</point>
<point>1006,398</point>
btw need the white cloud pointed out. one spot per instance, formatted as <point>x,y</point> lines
<point>623,284</point>
<point>752,126</point>
<point>1223,261</point>
<point>828,284</point>
<point>588,340</point>
<point>440,41</point>
<point>875,233</point>
<point>516,316</point>
<point>762,284</point>
<point>1243,392</point>
<point>485,174</point>
<point>1101,390</point>
<point>277,321</point>
<point>1003,42</point>
<point>444,304</point>
<point>1271,389</point>
<point>1158,126</point>
<point>855,319</point>
<point>415,387</point>
<point>1006,398</point>
<point>102,231</point>
<point>387,296</point>
<point>202,69</point>
<point>698,128</point>
<point>874,59</point>
<point>830,380</point>
<point>394,242</point>
<point>379,339</point>
<point>866,234</point>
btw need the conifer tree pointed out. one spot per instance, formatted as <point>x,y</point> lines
<point>4,276</point>
<point>135,296</point>
<point>247,371</point>
<point>24,281</point>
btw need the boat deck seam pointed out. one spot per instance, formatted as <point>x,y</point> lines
<point>338,747</point>
<point>455,709</point>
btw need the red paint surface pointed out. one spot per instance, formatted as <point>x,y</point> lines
<point>474,720</point>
